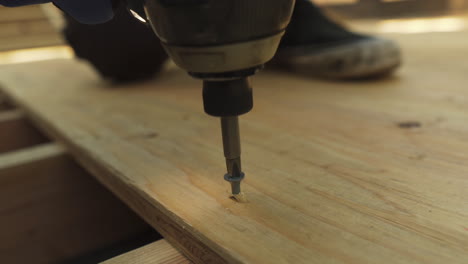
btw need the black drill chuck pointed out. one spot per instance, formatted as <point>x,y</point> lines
<point>227,97</point>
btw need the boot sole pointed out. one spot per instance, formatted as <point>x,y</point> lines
<point>367,58</point>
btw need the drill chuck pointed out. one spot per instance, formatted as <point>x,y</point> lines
<point>227,97</point>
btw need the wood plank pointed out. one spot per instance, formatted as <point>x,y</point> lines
<point>52,210</point>
<point>159,252</point>
<point>334,173</point>
<point>26,27</point>
<point>35,54</point>
<point>16,132</point>
<point>21,28</point>
<point>23,13</point>
<point>30,41</point>
<point>54,16</point>
<point>376,9</point>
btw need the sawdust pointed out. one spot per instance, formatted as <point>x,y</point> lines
<point>240,198</point>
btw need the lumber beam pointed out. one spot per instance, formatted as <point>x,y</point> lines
<point>177,235</point>
<point>24,13</point>
<point>159,252</point>
<point>16,132</point>
<point>51,210</point>
<point>30,41</point>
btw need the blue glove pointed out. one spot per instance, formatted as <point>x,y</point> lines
<point>84,11</point>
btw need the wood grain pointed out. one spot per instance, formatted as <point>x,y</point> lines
<point>333,174</point>
<point>52,210</point>
<point>159,252</point>
<point>26,27</point>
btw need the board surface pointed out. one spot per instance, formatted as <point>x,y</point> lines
<point>26,27</point>
<point>336,172</point>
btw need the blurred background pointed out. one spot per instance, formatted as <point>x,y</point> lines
<point>32,32</point>
<point>388,9</point>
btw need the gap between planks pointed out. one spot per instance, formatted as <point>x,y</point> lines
<point>16,132</point>
<point>52,210</point>
<point>159,252</point>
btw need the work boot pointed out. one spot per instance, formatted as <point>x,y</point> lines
<point>125,50</point>
<point>316,46</point>
<point>121,50</point>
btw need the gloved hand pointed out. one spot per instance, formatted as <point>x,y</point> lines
<point>84,11</point>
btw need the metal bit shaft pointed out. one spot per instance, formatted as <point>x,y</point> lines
<point>232,152</point>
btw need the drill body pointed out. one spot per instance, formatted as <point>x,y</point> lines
<point>223,43</point>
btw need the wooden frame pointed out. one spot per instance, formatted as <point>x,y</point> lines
<point>159,252</point>
<point>52,210</point>
<point>16,132</point>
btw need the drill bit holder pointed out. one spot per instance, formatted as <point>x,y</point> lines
<point>228,98</point>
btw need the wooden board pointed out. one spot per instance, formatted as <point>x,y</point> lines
<point>23,13</point>
<point>390,9</point>
<point>22,28</point>
<point>357,172</point>
<point>26,27</point>
<point>159,252</point>
<point>52,210</point>
<point>16,132</point>
<point>30,41</point>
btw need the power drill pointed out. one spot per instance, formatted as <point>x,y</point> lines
<point>223,43</point>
